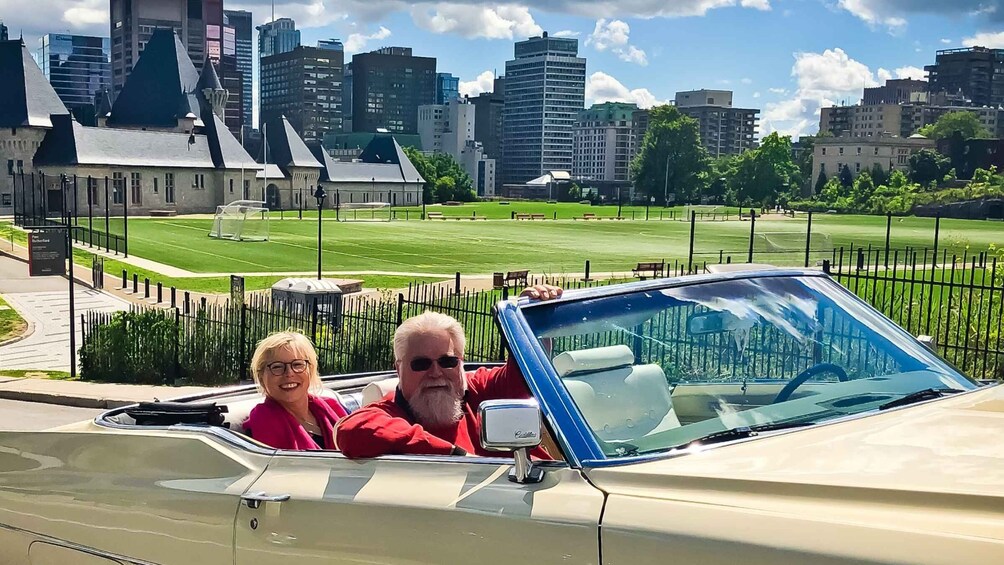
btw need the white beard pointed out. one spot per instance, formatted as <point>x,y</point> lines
<point>437,408</point>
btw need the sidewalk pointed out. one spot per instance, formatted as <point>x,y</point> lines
<point>88,395</point>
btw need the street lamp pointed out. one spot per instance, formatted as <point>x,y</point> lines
<point>320,195</point>
<point>665,186</point>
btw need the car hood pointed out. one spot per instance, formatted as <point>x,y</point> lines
<point>943,457</point>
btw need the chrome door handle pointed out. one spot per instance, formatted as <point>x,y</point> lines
<point>254,499</point>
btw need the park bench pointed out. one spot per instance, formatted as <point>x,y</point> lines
<point>651,268</point>
<point>589,216</point>
<point>435,216</point>
<point>522,216</point>
<point>511,278</point>
<point>536,216</point>
<point>163,213</point>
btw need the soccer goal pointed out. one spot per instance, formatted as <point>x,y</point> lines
<point>241,220</point>
<point>364,212</point>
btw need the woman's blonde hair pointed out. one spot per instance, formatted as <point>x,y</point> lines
<point>300,345</point>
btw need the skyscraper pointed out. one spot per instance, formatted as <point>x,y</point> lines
<point>604,142</point>
<point>240,21</point>
<point>447,88</point>
<point>976,72</point>
<point>198,24</point>
<point>305,85</point>
<point>537,127</point>
<point>277,36</point>
<point>77,66</point>
<point>488,108</point>
<point>388,86</point>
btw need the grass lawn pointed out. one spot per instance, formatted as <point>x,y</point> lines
<point>11,323</point>
<point>544,246</point>
<point>35,374</point>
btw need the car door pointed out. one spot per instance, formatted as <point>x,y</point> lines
<point>324,508</point>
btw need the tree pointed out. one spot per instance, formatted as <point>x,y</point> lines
<point>846,178</point>
<point>966,123</point>
<point>445,187</point>
<point>425,169</point>
<point>432,168</point>
<point>761,176</point>
<point>927,166</point>
<point>820,182</point>
<point>862,190</point>
<point>879,175</point>
<point>671,158</point>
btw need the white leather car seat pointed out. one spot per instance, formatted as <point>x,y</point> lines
<point>376,390</point>
<point>620,401</point>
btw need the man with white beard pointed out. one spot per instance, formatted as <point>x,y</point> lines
<point>434,410</point>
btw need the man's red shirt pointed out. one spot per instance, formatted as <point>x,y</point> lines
<point>388,427</point>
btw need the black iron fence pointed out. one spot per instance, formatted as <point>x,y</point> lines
<point>41,200</point>
<point>958,302</point>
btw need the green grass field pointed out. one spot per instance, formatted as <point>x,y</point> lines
<point>562,246</point>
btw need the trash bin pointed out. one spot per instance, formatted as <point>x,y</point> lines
<point>498,280</point>
<point>303,298</point>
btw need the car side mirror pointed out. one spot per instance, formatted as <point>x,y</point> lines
<point>513,426</point>
<point>928,342</point>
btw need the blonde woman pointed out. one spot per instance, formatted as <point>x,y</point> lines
<point>292,416</point>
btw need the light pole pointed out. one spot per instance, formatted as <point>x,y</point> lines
<point>319,194</point>
<point>618,201</point>
<point>665,186</point>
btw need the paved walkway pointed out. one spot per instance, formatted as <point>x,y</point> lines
<point>44,303</point>
<point>88,395</point>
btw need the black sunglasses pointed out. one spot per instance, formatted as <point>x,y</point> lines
<point>424,363</point>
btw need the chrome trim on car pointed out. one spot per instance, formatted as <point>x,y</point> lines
<point>43,538</point>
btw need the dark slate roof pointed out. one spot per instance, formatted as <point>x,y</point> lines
<point>226,151</point>
<point>285,148</point>
<point>104,106</point>
<point>209,78</point>
<point>26,97</point>
<point>161,88</point>
<point>69,143</point>
<point>342,171</point>
<point>385,149</point>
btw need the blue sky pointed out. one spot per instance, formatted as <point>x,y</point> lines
<point>786,57</point>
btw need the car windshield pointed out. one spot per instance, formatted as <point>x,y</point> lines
<point>656,370</point>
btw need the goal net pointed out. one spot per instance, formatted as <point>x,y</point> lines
<point>364,211</point>
<point>241,220</point>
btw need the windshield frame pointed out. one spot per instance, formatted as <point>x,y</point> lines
<point>582,447</point>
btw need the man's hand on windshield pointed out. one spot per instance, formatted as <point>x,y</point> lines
<point>542,292</point>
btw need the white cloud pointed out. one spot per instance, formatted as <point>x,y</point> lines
<point>781,91</point>
<point>357,41</point>
<point>601,87</point>
<point>883,74</point>
<point>873,12</point>
<point>991,40</point>
<point>615,36</point>
<point>756,4</point>
<point>306,13</point>
<point>894,13</point>
<point>756,95</point>
<point>946,41</point>
<point>746,80</point>
<point>566,33</point>
<point>915,73</point>
<point>484,82</point>
<point>505,21</point>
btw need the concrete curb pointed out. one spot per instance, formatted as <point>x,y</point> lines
<point>64,400</point>
<point>27,333</point>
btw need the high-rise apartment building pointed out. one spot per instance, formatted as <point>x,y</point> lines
<point>897,91</point>
<point>544,92</point>
<point>276,37</point>
<point>3,31</point>
<point>724,130</point>
<point>449,128</point>
<point>305,85</point>
<point>198,24</point>
<point>603,142</point>
<point>447,88</point>
<point>976,72</point>
<point>902,120</point>
<point>78,67</point>
<point>388,86</point>
<point>240,22</point>
<point>488,108</point>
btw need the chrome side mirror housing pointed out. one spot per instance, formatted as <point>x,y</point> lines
<point>513,426</point>
<point>929,342</point>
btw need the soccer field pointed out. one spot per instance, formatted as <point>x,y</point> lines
<point>555,247</point>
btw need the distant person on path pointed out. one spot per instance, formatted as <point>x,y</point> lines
<point>292,416</point>
<point>434,410</point>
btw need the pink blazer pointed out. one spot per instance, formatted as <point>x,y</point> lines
<point>273,425</point>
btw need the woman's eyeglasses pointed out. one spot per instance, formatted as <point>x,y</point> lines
<point>420,364</point>
<point>278,368</point>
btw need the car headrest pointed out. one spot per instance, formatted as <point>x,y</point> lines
<point>376,390</point>
<point>595,359</point>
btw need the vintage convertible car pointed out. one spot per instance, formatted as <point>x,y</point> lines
<point>753,418</point>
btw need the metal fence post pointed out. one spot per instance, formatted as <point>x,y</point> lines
<point>146,287</point>
<point>693,226</point>
<point>160,292</point>
<point>174,296</point>
<point>888,233</point>
<point>749,258</point>
<point>456,284</point>
<point>400,308</point>
<point>135,283</point>
<point>808,239</point>
<point>125,281</point>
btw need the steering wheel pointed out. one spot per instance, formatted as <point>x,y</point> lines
<point>807,374</point>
